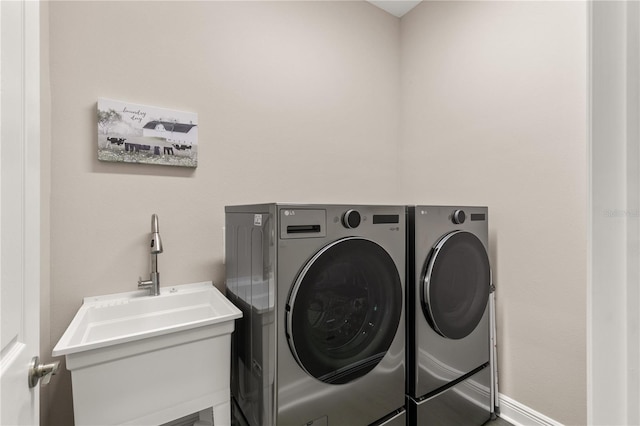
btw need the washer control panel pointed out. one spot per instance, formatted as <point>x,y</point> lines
<point>303,223</point>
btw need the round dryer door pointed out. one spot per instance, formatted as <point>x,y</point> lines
<point>343,310</point>
<point>456,285</point>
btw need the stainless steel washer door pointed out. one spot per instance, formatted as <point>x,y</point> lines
<point>344,310</point>
<point>456,285</point>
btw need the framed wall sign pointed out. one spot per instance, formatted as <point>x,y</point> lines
<point>132,133</point>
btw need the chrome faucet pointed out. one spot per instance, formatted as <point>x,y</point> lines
<point>153,284</point>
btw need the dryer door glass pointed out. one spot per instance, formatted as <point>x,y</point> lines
<point>456,285</point>
<point>344,310</point>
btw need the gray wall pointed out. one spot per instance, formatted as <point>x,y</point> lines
<point>494,101</point>
<point>297,101</point>
<point>474,103</point>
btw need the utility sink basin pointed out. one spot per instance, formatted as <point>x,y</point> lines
<point>140,359</point>
<point>125,317</point>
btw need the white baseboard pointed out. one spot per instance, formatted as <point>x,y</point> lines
<point>520,415</point>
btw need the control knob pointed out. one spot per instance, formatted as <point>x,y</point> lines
<point>458,217</point>
<point>351,219</point>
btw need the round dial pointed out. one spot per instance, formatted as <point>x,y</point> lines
<point>351,219</point>
<point>458,217</point>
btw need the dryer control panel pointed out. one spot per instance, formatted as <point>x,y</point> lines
<point>458,217</point>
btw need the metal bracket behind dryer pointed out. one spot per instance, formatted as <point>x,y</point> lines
<point>493,354</point>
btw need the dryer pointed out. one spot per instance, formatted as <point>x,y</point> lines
<point>322,338</point>
<point>448,327</point>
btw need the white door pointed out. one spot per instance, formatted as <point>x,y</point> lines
<point>19,209</point>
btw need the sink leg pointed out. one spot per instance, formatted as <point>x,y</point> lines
<point>206,418</point>
<point>222,414</point>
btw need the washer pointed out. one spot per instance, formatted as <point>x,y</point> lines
<point>448,332</point>
<point>322,337</point>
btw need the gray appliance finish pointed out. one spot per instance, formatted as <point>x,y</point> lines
<point>463,403</point>
<point>322,337</point>
<point>448,315</point>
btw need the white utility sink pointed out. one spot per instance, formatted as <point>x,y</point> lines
<point>140,359</point>
<point>124,317</point>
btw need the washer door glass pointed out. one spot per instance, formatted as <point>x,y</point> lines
<point>456,285</point>
<point>343,310</point>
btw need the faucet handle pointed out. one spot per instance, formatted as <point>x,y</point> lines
<point>143,284</point>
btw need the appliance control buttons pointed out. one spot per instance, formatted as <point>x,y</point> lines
<point>351,219</point>
<point>458,217</point>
